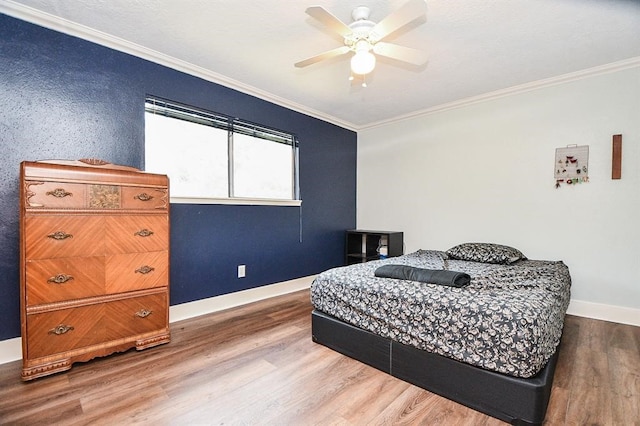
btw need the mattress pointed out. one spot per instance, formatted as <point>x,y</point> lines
<point>509,319</point>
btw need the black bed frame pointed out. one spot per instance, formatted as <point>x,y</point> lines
<point>516,400</point>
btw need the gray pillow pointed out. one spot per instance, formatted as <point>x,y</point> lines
<point>485,253</point>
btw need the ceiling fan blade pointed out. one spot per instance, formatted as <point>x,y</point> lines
<point>321,57</point>
<point>324,16</point>
<point>400,53</point>
<point>411,11</point>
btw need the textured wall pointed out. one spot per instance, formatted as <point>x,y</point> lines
<point>62,97</point>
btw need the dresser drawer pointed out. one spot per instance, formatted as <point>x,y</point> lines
<point>59,331</point>
<point>54,195</point>
<point>138,315</point>
<point>51,236</point>
<point>128,272</point>
<point>55,280</point>
<point>137,234</point>
<point>141,198</point>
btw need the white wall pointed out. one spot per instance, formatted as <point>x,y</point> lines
<point>484,172</point>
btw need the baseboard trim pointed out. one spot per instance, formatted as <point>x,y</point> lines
<point>11,349</point>
<point>231,300</point>
<point>619,314</point>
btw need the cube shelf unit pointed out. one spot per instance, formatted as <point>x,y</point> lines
<point>362,245</point>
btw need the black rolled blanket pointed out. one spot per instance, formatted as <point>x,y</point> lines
<point>431,276</point>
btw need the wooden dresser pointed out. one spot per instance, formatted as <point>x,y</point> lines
<point>94,253</point>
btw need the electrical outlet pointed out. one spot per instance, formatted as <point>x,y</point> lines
<point>242,271</point>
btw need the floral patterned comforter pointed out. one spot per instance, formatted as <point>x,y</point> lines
<point>509,319</point>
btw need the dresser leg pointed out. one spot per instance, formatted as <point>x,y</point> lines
<point>33,372</point>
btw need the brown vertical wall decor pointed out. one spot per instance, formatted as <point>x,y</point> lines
<point>616,163</point>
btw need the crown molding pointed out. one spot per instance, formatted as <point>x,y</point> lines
<point>34,16</point>
<point>46,20</point>
<point>514,90</point>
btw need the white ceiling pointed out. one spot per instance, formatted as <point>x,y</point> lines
<point>475,47</point>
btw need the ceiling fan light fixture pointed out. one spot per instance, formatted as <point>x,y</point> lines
<point>362,36</point>
<point>363,62</point>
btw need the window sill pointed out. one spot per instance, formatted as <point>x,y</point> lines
<point>236,201</point>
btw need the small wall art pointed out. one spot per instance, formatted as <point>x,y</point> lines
<point>572,165</point>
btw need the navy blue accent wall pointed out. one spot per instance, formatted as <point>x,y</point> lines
<point>66,98</point>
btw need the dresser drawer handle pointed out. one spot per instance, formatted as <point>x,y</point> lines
<point>144,233</point>
<point>60,279</point>
<point>143,197</point>
<point>59,193</point>
<point>143,313</point>
<point>59,235</point>
<point>145,269</point>
<point>61,329</point>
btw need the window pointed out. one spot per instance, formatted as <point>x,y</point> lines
<point>208,156</point>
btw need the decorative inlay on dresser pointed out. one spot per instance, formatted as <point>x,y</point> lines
<point>94,253</point>
<point>104,197</point>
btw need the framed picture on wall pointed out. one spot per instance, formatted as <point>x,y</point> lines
<point>572,165</point>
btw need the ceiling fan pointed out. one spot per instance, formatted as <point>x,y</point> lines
<point>363,37</point>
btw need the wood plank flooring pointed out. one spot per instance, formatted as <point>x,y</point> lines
<point>257,365</point>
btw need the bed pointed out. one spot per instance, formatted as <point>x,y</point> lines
<point>491,343</point>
